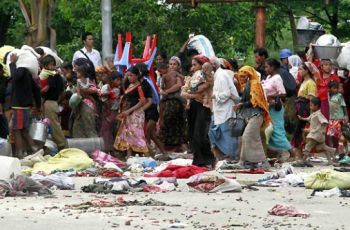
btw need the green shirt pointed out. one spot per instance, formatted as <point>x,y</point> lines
<point>336,106</point>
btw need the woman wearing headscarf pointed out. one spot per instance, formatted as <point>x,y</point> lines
<point>172,122</point>
<point>254,108</point>
<point>308,71</point>
<point>294,63</point>
<point>199,114</point>
<point>275,91</point>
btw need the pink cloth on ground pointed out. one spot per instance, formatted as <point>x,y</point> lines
<point>287,210</point>
<point>103,158</point>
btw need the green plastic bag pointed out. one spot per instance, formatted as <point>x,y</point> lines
<point>327,179</point>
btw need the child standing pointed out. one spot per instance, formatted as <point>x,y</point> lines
<point>110,94</point>
<point>338,114</point>
<point>52,89</point>
<point>316,136</point>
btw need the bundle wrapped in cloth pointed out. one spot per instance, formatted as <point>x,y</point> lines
<point>66,159</point>
<point>327,179</point>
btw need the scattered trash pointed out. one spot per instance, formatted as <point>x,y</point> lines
<point>22,186</point>
<point>178,225</point>
<point>119,202</point>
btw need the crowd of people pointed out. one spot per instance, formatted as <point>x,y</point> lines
<point>291,107</point>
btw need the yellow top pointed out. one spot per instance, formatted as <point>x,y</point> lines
<point>307,88</point>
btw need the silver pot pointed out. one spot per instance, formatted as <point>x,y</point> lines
<point>327,52</point>
<point>38,131</point>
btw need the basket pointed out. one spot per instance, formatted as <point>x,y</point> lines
<point>305,37</point>
<point>327,52</point>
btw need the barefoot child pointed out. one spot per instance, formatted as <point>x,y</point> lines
<point>338,114</point>
<point>317,134</point>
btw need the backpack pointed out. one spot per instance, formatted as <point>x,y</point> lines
<point>289,82</point>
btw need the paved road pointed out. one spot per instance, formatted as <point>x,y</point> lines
<point>245,210</point>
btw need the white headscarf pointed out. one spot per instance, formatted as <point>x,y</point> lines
<point>294,61</point>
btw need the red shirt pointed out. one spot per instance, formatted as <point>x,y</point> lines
<point>322,85</point>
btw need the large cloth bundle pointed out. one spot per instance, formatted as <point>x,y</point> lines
<point>66,159</point>
<point>202,45</point>
<point>343,59</point>
<point>327,179</point>
<point>49,51</point>
<point>27,58</point>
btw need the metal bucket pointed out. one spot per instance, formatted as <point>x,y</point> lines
<point>305,37</point>
<point>86,144</point>
<point>38,131</point>
<point>327,52</point>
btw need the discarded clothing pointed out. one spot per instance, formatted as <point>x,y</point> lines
<point>22,186</point>
<point>110,173</point>
<point>31,160</point>
<point>162,187</point>
<point>286,176</point>
<point>327,179</point>
<point>124,186</point>
<point>178,171</point>
<point>103,158</point>
<point>89,172</point>
<point>213,182</point>
<point>64,160</point>
<point>293,180</point>
<point>287,210</point>
<point>60,181</point>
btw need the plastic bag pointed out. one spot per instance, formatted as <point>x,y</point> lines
<point>327,179</point>
<point>344,57</point>
<point>202,45</point>
<point>49,51</point>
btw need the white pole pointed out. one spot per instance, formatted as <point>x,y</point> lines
<point>106,11</point>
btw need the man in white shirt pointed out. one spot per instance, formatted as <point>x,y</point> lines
<point>88,52</point>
